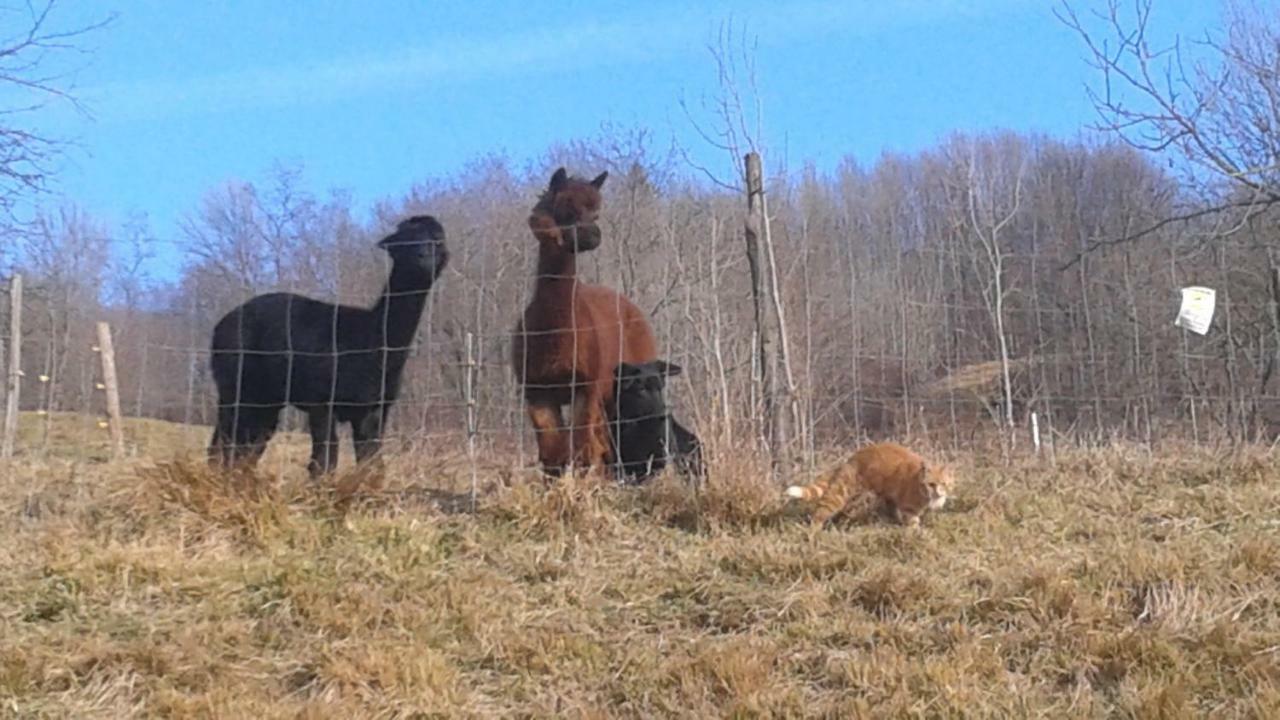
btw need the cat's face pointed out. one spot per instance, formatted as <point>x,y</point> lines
<point>938,480</point>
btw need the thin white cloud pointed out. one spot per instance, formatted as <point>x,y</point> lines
<point>470,57</point>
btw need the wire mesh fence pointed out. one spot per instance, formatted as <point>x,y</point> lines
<point>900,323</point>
<point>460,390</point>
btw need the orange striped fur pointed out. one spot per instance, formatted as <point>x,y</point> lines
<point>885,471</point>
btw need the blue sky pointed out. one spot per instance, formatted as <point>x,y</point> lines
<point>373,96</point>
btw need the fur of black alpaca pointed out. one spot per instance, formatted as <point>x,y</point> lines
<point>644,434</point>
<point>336,363</point>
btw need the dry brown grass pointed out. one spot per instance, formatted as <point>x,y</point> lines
<point>1113,584</point>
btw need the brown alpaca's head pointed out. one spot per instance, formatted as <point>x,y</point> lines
<point>565,217</point>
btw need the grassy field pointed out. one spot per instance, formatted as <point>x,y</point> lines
<point>1110,584</point>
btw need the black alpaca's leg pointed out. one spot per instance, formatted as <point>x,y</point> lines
<point>689,453</point>
<point>649,448</point>
<point>257,432</point>
<point>692,466</point>
<point>324,441</point>
<point>241,434</point>
<point>366,432</point>
<point>614,458</point>
<point>223,440</point>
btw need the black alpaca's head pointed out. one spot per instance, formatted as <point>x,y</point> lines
<point>418,242</point>
<point>565,218</point>
<point>640,387</point>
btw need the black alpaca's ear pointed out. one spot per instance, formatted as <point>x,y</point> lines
<point>558,180</point>
<point>394,238</point>
<point>667,369</point>
<point>422,223</point>
<point>626,370</point>
<point>599,181</point>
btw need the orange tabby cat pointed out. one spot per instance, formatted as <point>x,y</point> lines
<point>886,471</point>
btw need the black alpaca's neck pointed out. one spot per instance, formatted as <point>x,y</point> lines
<point>399,309</point>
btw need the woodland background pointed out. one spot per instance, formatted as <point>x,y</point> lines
<point>941,293</point>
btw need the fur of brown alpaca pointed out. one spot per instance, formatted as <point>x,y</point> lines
<point>885,471</point>
<point>573,335</point>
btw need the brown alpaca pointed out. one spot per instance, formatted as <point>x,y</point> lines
<point>573,334</point>
<point>886,471</point>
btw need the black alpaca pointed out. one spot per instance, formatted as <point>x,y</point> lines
<point>334,362</point>
<point>644,434</point>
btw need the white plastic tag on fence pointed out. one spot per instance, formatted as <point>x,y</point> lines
<point>1197,309</point>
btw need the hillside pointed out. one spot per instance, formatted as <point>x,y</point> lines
<point>1113,583</point>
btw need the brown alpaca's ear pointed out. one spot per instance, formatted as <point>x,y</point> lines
<point>558,180</point>
<point>599,181</point>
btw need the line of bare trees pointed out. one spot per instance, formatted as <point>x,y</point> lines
<point>937,293</point>
<point>943,293</point>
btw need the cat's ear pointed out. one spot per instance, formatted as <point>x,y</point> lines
<point>598,181</point>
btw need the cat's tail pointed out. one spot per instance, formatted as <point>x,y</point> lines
<point>812,491</point>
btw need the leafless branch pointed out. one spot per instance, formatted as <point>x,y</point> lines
<point>30,67</point>
<point>1252,207</point>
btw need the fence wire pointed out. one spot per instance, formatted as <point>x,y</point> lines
<point>882,351</point>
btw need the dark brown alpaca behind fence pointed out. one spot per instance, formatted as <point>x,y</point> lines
<point>573,334</point>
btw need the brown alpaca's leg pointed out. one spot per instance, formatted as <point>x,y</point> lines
<point>548,426</point>
<point>589,431</point>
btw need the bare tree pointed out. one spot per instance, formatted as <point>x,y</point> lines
<point>736,111</point>
<point>34,72</point>
<point>66,256</point>
<point>993,198</point>
<point>736,128</point>
<point>1215,101</point>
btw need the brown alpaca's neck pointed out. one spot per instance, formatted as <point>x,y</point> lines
<point>557,273</point>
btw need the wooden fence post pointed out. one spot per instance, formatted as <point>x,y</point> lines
<point>14,375</point>
<point>4,381</point>
<point>781,407</point>
<point>112,386</point>
<point>468,385</point>
<point>767,363</point>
